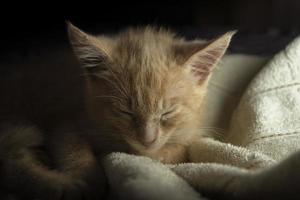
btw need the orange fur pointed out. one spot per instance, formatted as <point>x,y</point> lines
<point>146,87</point>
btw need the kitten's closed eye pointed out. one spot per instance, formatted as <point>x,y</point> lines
<point>127,114</point>
<point>168,114</point>
<point>163,117</point>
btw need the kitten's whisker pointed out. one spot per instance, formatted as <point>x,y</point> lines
<point>211,127</point>
<point>109,96</point>
<point>205,132</point>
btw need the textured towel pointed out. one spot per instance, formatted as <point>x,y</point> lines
<point>136,177</point>
<point>267,118</point>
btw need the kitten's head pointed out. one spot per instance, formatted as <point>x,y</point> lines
<point>146,85</point>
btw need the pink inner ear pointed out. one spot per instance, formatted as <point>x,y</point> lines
<point>202,62</point>
<point>200,70</point>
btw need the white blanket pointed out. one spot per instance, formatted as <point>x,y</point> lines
<point>266,120</point>
<point>268,116</point>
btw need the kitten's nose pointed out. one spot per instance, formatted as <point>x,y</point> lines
<point>149,134</point>
<point>149,140</point>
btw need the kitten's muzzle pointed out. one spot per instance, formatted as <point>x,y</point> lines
<point>148,134</point>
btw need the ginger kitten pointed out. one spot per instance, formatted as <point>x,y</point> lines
<point>146,86</point>
<point>144,90</point>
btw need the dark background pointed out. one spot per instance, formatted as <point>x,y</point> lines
<point>28,27</point>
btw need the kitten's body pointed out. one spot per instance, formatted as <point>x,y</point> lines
<point>144,92</point>
<point>41,103</point>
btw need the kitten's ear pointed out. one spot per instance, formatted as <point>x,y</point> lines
<point>91,52</point>
<point>201,57</point>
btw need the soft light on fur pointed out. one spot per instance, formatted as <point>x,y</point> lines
<point>146,87</point>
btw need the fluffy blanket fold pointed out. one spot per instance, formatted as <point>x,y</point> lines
<point>267,120</point>
<point>134,177</point>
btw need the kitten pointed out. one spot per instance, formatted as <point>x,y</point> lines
<point>146,87</point>
<point>144,92</point>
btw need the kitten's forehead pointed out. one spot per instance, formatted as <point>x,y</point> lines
<point>144,46</point>
<point>144,56</point>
